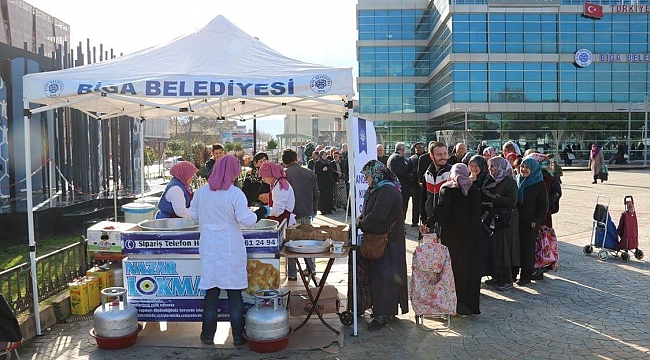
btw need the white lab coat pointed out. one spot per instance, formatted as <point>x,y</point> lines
<point>220,214</point>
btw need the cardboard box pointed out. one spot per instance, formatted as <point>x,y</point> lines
<point>328,303</point>
<point>105,236</point>
<point>310,232</point>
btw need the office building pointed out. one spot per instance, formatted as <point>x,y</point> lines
<point>546,73</point>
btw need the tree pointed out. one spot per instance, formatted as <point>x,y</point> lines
<point>149,156</point>
<point>236,146</point>
<point>271,144</point>
<point>228,146</point>
<point>174,148</point>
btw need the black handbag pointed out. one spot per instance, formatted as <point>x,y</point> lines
<point>502,217</point>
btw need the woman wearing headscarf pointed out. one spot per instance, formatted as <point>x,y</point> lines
<point>596,162</point>
<point>459,216</point>
<point>382,212</point>
<point>282,199</point>
<point>553,187</point>
<point>489,153</point>
<point>532,203</point>
<point>511,147</point>
<point>478,167</point>
<point>324,171</point>
<point>256,190</point>
<point>221,209</point>
<point>175,200</point>
<point>506,232</point>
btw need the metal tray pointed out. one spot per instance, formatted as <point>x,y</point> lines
<point>308,246</point>
<point>264,224</point>
<point>172,224</point>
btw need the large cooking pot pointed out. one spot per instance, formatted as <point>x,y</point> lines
<point>170,224</point>
<point>269,320</point>
<point>115,318</point>
<point>263,224</point>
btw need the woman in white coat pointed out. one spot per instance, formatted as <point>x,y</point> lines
<point>221,209</point>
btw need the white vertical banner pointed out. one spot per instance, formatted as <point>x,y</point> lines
<point>365,149</point>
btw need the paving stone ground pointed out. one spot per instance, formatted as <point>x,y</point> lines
<point>588,309</point>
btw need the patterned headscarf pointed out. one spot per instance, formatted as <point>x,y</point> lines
<point>459,178</point>
<point>224,173</point>
<point>275,171</point>
<point>489,151</point>
<point>514,145</point>
<point>502,168</point>
<point>183,171</point>
<point>380,175</point>
<point>543,161</point>
<point>484,180</point>
<point>534,177</point>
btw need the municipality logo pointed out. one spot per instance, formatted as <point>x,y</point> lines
<point>320,84</point>
<point>583,58</point>
<point>53,88</point>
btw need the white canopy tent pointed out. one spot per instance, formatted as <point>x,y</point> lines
<point>217,71</point>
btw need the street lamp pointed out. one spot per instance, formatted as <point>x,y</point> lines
<point>629,129</point>
<point>466,109</point>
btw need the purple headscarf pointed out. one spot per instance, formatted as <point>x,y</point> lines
<point>183,171</point>
<point>269,169</point>
<point>224,173</point>
<point>459,178</point>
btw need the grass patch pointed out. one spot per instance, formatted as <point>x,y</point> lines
<point>14,255</point>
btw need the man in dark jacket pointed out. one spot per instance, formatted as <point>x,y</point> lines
<point>414,184</point>
<point>398,164</point>
<point>381,156</point>
<point>459,152</point>
<point>305,190</point>
<point>217,153</point>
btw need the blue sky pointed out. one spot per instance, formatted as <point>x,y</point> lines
<point>322,32</point>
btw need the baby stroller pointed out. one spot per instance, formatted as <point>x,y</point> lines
<point>603,232</point>
<point>432,290</point>
<point>628,230</point>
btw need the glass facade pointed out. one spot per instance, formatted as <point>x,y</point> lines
<point>445,60</point>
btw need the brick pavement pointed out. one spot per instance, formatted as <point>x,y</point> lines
<point>588,309</point>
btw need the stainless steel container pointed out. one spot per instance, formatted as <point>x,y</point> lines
<point>264,224</point>
<point>171,224</point>
<point>118,279</point>
<point>269,320</point>
<point>115,318</point>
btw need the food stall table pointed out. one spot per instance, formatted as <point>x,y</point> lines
<point>314,299</point>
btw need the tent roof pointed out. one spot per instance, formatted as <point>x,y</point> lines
<point>218,71</point>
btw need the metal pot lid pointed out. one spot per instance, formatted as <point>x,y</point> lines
<point>308,246</point>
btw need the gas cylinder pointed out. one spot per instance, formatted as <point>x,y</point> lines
<point>268,320</point>
<point>115,318</point>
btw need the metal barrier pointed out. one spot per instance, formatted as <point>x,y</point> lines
<point>55,270</point>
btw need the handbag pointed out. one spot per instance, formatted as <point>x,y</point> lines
<point>502,217</point>
<point>373,246</point>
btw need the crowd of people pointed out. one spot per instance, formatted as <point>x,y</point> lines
<point>487,208</point>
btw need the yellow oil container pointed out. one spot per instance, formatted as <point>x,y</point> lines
<point>79,304</point>
<point>93,292</point>
<point>104,276</point>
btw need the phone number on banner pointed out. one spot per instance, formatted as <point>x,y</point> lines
<point>260,242</point>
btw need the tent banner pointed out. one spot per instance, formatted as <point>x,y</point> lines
<point>60,86</point>
<point>364,151</point>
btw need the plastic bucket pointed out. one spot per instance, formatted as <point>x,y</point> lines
<point>137,212</point>
<point>152,200</point>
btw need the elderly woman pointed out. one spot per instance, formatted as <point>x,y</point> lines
<point>221,209</point>
<point>484,181</point>
<point>175,200</point>
<point>506,224</point>
<point>459,216</point>
<point>256,190</point>
<point>382,213</point>
<point>532,204</point>
<point>596,162</point>
<point>282,199</point>
<point>325,174</point>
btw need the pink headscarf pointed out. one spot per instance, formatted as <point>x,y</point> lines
<point>276,171</point>
<point>459,178</point>
<point>224,173</point>
<point>183,171</point>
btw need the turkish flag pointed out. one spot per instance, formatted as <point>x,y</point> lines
<point>593,11</point>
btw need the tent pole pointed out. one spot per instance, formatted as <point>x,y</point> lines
<point>353,206</point>
<point>142,159</point>
<point>30,215</point>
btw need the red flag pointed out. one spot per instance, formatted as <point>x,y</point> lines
<point>593,11</point>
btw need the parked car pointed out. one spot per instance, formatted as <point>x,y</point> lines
<point>171,161</point>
